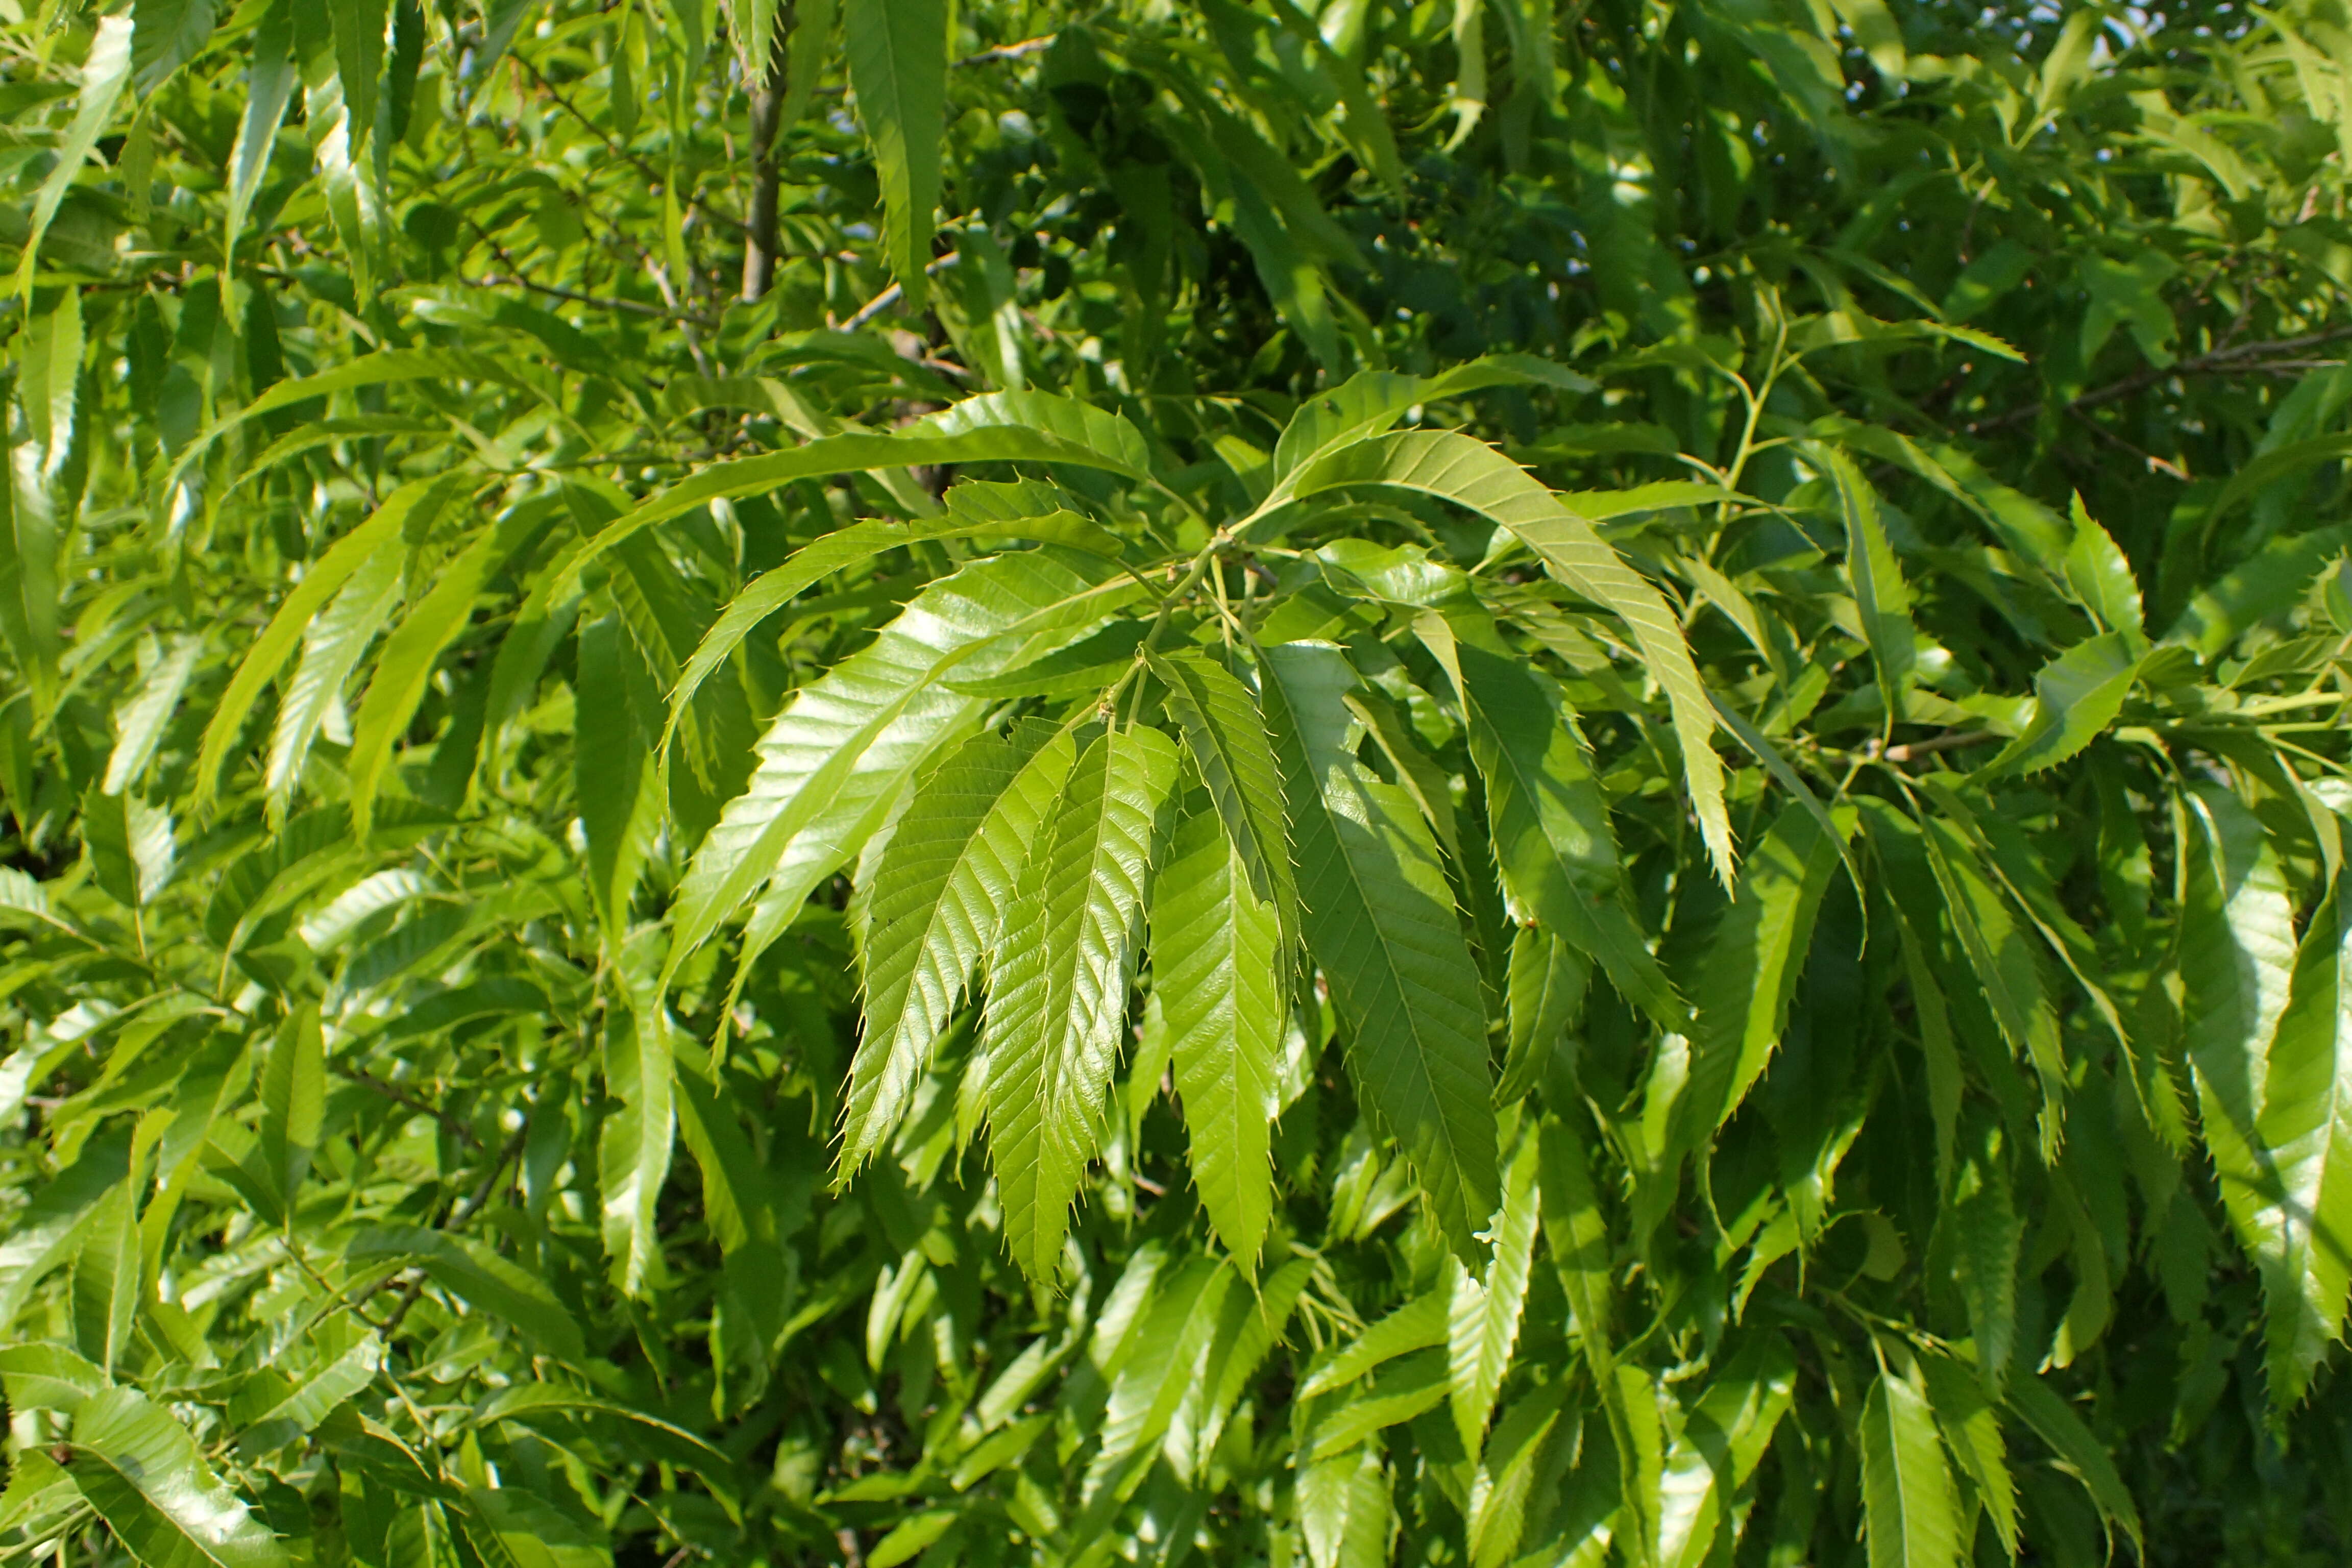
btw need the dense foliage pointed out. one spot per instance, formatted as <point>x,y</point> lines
<point>1493,784</point>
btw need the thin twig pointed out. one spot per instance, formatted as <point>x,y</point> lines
<point>470,1205</point>
<point>2156,464</point>
<point>647,170</point>
<point>362,1077</point>
<point>2246,359</point>
<point>1009,51</point>
<point>891,296</point>
<point>492,280</point>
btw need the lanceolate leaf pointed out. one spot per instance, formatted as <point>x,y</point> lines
<point>1380,920</point>
<point>939,898</point>
<point>897,68</point>
<point>408,509</point>
<point>1470,474</point>
<point>1912,1514</point>
<point>2305,1151</point>
<point>142,1472</point>
<point>1484,1322</point>
<point>1879,591</point>
<point>2241,969</point>
<point>2076,696</point>
<point>1752,966</point>
<point>1059,996</point>
<point>1226,736</point>
<point>1219,973</point>
<point>1554,844</point>
<point>331,647</point>
<point>834,760</point>
<point>633,1151</point>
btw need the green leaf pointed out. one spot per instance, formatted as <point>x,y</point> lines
<point>142,1472</point>
<point>1723,1435</point>
<point>269,88</point>
<point>1988,1236</point>
<point>512,1527</point>
<point>1058,997</point>
<point>1972,1429</point>
<point>2101,577</point>
<point>936,903</point>
<point>408,510</point>
<point>524,1401</point>
<point>1879,590</point>
<point>848,547</point>
<point>1501,1488</point>
<point>2304,1134</point>
<point>1371,402</point>
<point>1554,843</point>
<point>104,73</point>
<point>293,1104</point>
<point>1219,973</point>
<point>896,51</point>
<point>2241,968</point>
<point>1473,475</point>
<point>2056,1423</point>
<point>2076,697</point>
<point>1409,1387</point>
<point>1544,995</point>
<point>613,771</point>
<point>1344,1509</point>
<point>109,1280</point>
<point>1226,735</point>
<point>633,1151</point>
<point>478,1276</point>
<point>139,723</point>
<point>45,1230</point>
<point>1174,1336</point>
<point>1484,1315</point>
<point>1420,1323</point>
<point>1910,1511</point>
<point>1752,966</point>
<point>2005,961</point>
<point>835,758</point>
<point>47,1377</point>
<point>333,645</point>
<point>1379,917</point>
<point>299,1406</point>
<point>165,36</point>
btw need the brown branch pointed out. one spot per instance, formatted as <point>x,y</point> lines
<point>2246,359</point>
<point>470,1205</point>
<point>689,200</point>
<point>768,94</point>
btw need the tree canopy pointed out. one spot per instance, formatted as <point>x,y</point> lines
<point>1527,783</point>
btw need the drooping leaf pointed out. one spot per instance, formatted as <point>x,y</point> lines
<point>834,760</point>
<point>1226,735</point>
<point>1218,971</point>
<point>1379,918</point>
<point>1059,996</point>
<point>939,896</point>
<point>1752,966</point>
<point>1475,476</point>
<point>1484,1315</point>
<point>896,51</point>
<point>142,1473</point>
<point>1911,1514</point>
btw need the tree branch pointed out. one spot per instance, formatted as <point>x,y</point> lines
<point>2246,359</point>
